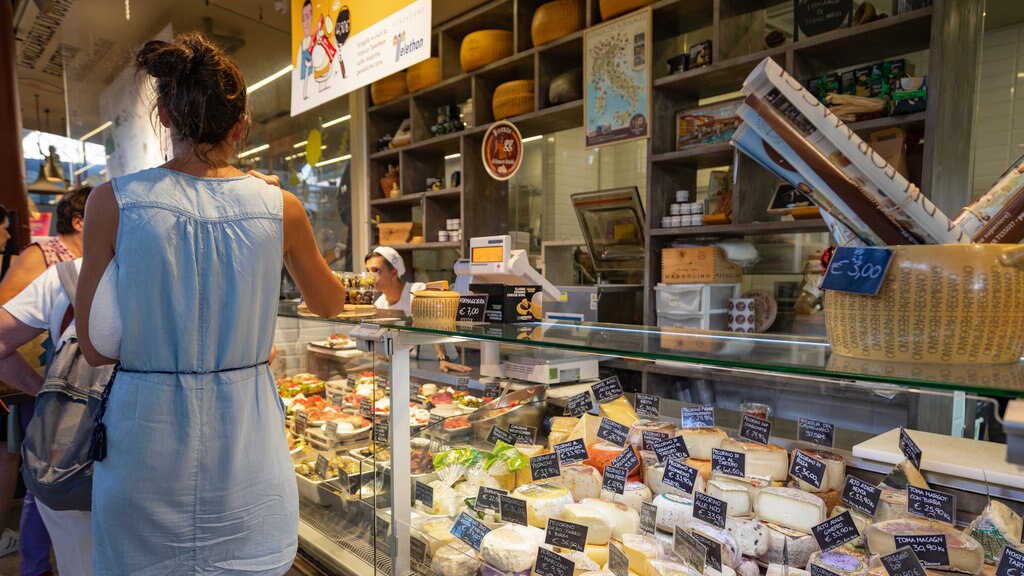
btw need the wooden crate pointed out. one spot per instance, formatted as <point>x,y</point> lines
<point>700,265</point>
<point>399,232</point>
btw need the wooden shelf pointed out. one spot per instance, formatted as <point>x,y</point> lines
<point>543,121</point>
<point>396,107</point>
<point>720,78</point>
<point>447,193</point>
<point>426,246</point>
<point>905,121</point>
<point>403,200</point>
<point>708,156</point>
<point>748,229</point>
<point>878,40</point>
<point>443,144</point>
<point>390,153</point>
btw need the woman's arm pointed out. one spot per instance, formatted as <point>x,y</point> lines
<point>25,268</point>
<point>321,290</point>
<point>15,370</point>
<point>98,240</point>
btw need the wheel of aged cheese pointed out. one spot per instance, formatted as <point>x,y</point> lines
<point>388,88</point>
<point>636,432</point>
<point>627,520</point>
<point>512,99</point>
<point>599,524</point>
<point>763,461</point>
<point>838,562</point>
<point>582,480</point>
<point>700,441</point>
<point>543,500</point>
<point>423,74</point>
<point>965,553</point>
<point>455,559</point>
<point>790,507</point>
<point>612,8</point>
<point>672,511</point>
<point>735,494</point>
<point>483,47</point>
<point>556,19</point>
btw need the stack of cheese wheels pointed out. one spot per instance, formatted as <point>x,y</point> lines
<point>965,553</point>
<point>543,500</point>
<point>483,47</point>
<point>763,461</point>
<point>699,443</point>
<point>602,454</point>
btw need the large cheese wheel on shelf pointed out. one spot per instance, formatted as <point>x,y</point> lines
<point>702,466</point>
<point>965,553</point>
<point>612,8</point>
<point>556,19</point>
<point>582,480</point>
<point>763,461</point>
<point>633,495</point>
<point>543,500</point>
<point>512,99</point>
<point>835,470</point>
<point>388,88</point>
<point>700,441</point>
<point>838,562</point>
<point>602,453</point>
<point>637,429</point>
<point>423,74</point>
<point>483,47</point>
<point>627,520</point>
<point>455,559</point>
<point>511,548</point>
<point>790,507</point>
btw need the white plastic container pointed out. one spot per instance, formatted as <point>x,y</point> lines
<point>682,195</point>
<point>675,209</point>
<point>443,236</point>
<point>694,298</point>
<point>666,221</point>
<point>712,321</point>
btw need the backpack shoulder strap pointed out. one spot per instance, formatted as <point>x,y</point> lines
<point>68,274</point>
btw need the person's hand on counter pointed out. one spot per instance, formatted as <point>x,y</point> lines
<point>447,366</point>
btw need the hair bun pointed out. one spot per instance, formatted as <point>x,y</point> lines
<point>165,59</point>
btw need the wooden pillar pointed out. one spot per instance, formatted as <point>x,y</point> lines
<point>13,194</point>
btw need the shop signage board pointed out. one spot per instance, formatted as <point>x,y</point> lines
<point>617,80</point>
<point>812,17</point>
<point>338,47</point>
<point>502,150</point>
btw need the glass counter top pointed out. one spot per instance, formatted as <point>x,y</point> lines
<point>798,356</point>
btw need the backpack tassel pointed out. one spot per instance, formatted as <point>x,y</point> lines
<point>98,440</point>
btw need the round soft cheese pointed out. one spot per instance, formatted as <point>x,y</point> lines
<point>700,441</point>
<point>838,562</point>
<point>511,548</point>
<point>625,519</point>
<point>599,524</point>
<point>543,500</point>
<point>582,480</point>
<point>762,461</point>
<point>455,559</point>
<point>672,511</point>
<point>633,495</point>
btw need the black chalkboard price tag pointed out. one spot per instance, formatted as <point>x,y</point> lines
<point>710,509</point>
<point>626,459</point>
<point>489,498</point>
<point>931,504</point>
<point>688,549</point>
<point>366,408</point>
<point>698,417</point>
<point>860,495</point>
<point>381,431</point>
<point>680,476</point>
<point>728,462</point>
<point>523,434</point>
<point>816,432</point>
<point>650,438</point>
<point>648,406</point>
<point>300,421</point>
<point>425,494</point>
<point>714,555</point>
<point>512,509</point>
<point>903,562</point>
<point>813,17</point>
<point>469,530</point>
<point>671,449</point>
<point>566,535</point>
<point>579,404</point>
<point>417,550</point>
<point>338,400</point>
<point>618,563</point>
<point>471,309</point>
<point>931,549</point>
<point>835,531</point>
<point>545,466</point>
<point>331,430</point>
<point>435,419</point>
<point>755,429</point>
<point>648,518</point>
<point>1011,563</point>
<point>500,434</point>
<point>857,270</point>
<point>461,385</point>
<point>492,389</point>
<point>607,390</point>
<point>807,468</point>
<point>552,564</point>
<point>614,479</point>
<point>321,466</point>
<point>909,448</point>
<point>613,432</point>
<point>819,571</point>
<point>572,452</point>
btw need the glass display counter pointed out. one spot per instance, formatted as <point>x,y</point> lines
<point>380,497</point>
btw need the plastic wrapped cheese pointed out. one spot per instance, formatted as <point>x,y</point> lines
<point>640,548</point>
<point>627,520</point>
<point>602,453</point>
<point>636,432</point>
<point>700,441</point>
<point>543,500</point>
<point>511,548</point>
<point>965,553</point>
<point>446,501</point>
<point>599,524</point>
<point>673,510</point>
<point>730,550</point>
<point>835,470</point>
<point>790,507</point>
<point>996,528</point>
<point>839,563</point>
<point>582,480</point>
<point>455,559</point>
<point>751,536</point>
<point>767,461</point>
<point>633,495</point>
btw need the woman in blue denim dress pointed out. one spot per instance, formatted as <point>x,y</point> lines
<point>193,474</point>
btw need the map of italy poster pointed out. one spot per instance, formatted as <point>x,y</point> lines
<point>617,80</point>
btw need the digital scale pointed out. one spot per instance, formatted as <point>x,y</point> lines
<point>493,261</point>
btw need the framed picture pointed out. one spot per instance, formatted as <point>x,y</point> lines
<point>617,80</point>
<point>786,199</point>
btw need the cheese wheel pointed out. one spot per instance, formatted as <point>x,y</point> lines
<point>751,536</point>
<point>892,505</point>
<point>639,549</point>
<point>483,47</point>
<point>762,461</point>
<point>598,522</point>
<point>835,470</point>
<point>602,453</point>
<point>838,562</point>
<point>512,99</point>
<point>633,495</point>
<point>543,500</point>
<point>734,494</point>
<point>582,563</point>
<point>996,528</point>
<point>619,410</point>
<point>860,520</point>
<point>525,475</point>
<point>654,475</point>
<point>636,432</point>
<point>748,568</point>
<point>965,553</point>
<point>555,19</point>
<point>702,466</point>
<point>582,480</point>
<point>753,485</point>
<point>388,88</point>
<point>790,507</point>
<point>511,548</point>
<point>423,74</point>
<point>599,554</point>
<point>673,510</point>
<point>700,441</point>
<point>437,533</point>
<point>730,550</point>
<point>784,543</point>
<point>455,559</point>
<point>625,519</point>
<point>668,568</point>
<point>782,570</point>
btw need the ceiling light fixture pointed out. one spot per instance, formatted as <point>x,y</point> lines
<point>300,144</point>
<point>252,151</point>
<point>452,156</point>
<point>532,138</point>
<point>98,129</point>
<point>336,121</point>
<point>269,79</point>
<point>333,160</point>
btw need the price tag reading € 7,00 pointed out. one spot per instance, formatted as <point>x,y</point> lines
<point>471,309</point>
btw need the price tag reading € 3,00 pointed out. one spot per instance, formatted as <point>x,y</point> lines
<point>857,270</point>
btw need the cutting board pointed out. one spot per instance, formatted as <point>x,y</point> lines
<point>960,457</point>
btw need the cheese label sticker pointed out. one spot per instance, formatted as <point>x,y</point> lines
<point>755,429</point>
<point>469,530</point>
<point>931,549</point>
<point>425,494</point>
<point>523,434</point>
<point>617,560</point>
<point>931,504</point>
<point>816,432</point>
<point>648,406</point>
<point>545,466</point>
<point>299,423</point>
<point>500,434</point>
<point>671,449</point>
<point>903,562</point>
<point>566,535</point>
<point>807,469</point>
<point>489,498</point>
<point>552,564</point>
<point>714,555</point>
<point>579,404</point>
<point>910,448</point>
<point>710,509</point>
<point>648,518</point>
<point>860,495</point>
<point>688,549</point>
<point>321,466</point>
<point>512,509</point>
<point>728,462</point>
<point>680,476</point>
<point>698,417</point>
<point>835,531</point>
<point>417,549</point>
<point>819,571</point>
<point>626,459</point>
<point>492,390</point>
<point>572,452</point>
<point>613,432</point>
<point>614,479</point>
<point>1011,563</point>
<point>607,390</point>
<point>650,438</point>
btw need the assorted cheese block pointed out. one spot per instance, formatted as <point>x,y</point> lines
<point>700,441</point>
<point>446,501</point>
<point>730,551</point>
<point>639,549</point>
<point>733,493</point>
<point>767,461</point>
<point>783,543</point>
<point>965,553</point>
<point>838,562</point>
<point>790,508</point>
<point>586,429</point>
<point>673,510</point>
<point>597,521</point>
<point>619,410</point>
<point>702,466</point>
<point>582,480</point>
<point>597,553</point>
<point>748,568</point>
<point>753,485</point>
<point>633,495</point>
<point>437,533</point>
<point>892,504</point>
<point>543,500</point>
<point>782,570</point>
<point>668,568</point>
<point>602,453</point>
<point>751,536</point>
<point>905,474</point>
<point>456,559</point>
<point>996,528</point>
<point>835,470</point>
<point>636,432</point>
<point>655,473</point>
<point>561,427</point>
<point>511,548</point>
<point>525,475</point>
<point>625,519</point>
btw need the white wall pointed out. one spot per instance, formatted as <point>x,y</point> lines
<point>999,120</point>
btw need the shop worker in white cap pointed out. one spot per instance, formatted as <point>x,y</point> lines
<point>388,266</point>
